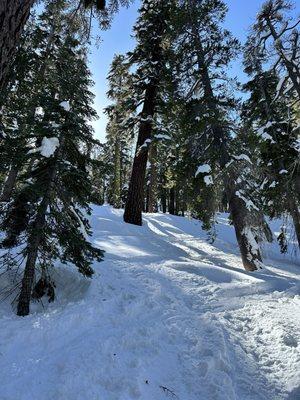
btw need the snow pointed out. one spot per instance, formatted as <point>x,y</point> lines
<point>160,136</point>
<point>166,312</point>
<point>208,180</point>
<point>248,202</point>
<point>65,105</point>
<point>280,85</point>
<point>264,135</point>
<point>81,224</point>
<point>203,169</point>
<point>48,147</point>
<point>39,111</point>
<point>243,157</point>
<point>145,145</point>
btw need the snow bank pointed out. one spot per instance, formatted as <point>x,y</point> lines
<point>167,315</point>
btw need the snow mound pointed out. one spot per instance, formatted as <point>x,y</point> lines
<point>167,316</point>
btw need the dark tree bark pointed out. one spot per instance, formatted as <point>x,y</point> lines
<point>117,176</point>
<point>33,247</point>
<point>9,184</point>
<point>172,201</point>
<point>164,201</point>
<point>134,203</point>
<point>13,16</point>
<point>152,187</point>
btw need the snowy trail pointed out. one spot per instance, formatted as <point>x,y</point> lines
<point>167,315</point>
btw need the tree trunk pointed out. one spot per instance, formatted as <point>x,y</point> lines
<point>247,242</point>
<point>9,184</point>
<point>117,175</point>
<point>152,187</point>
<point>146,208</point>
<point>295,214</point>
<point>134,203</point>
<point>172,201</point>
<point>13,16</point>
<point>163,200</point>
<point>33,247</point>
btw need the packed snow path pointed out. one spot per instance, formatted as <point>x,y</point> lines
<point>166,316</point>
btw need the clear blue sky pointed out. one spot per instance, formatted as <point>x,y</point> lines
<point>118,40</point>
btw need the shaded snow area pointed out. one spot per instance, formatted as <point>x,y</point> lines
<point>166,316</point>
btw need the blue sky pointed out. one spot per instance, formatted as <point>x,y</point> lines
<point>118,40</point>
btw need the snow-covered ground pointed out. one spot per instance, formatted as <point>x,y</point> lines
<point>166,316</point>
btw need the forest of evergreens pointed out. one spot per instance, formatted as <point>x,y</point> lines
<point>183,135</point>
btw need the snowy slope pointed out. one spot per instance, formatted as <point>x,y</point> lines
<point>166,316</point>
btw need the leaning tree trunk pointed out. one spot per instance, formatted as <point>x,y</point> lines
<point>13,16</point>
<point>247,242</point>
<point>240,215</point>
<point>134,203</point>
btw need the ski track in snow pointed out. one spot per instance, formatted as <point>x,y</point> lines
<point>166,316</point>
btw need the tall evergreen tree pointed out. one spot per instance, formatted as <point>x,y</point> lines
<point>119,128</point>
<point>206,50</point>
<point>14,15</point>
<point>46,219</point>
<point>269,115</point>
<point>150,61</point>
<point>276,35</point>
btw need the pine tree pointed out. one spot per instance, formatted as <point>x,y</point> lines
<point>14,15</point>
<point>19,111</point>
<point>206,50</point>
<point>276,32</point>
<point>149,58</point>
<point>119,128</point>
<point>268,114</point>
<point>46,221</point>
